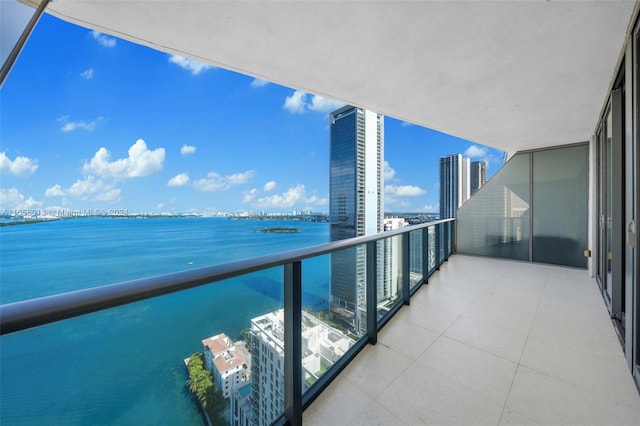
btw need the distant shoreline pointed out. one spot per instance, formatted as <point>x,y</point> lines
<point>11,220</point>
<point>279,230</point>
<point>26,222</point>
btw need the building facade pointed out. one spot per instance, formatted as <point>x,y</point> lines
<point>240,409</point>
<point>388,291</point>
<point>322,346</point>
<point>228,365</point>
<point>356,204</point>
<point>478,175</point>
<point>455,186</point>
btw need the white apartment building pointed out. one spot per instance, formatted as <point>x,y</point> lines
<point>322,346</point>
<point>228,365</point>
<point>241,411</point>
<point>388,291</point>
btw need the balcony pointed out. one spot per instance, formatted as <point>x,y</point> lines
<point>490,342</point>
<point>485,342</point>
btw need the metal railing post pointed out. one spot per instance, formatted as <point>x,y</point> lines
<point>437,246</point>
<point>446,241</point>
<point>293,343</point>
<point>406,246</point>
<point>453,236</point>
<point>372,299</point>
<point>425,255</point>
<point>22,40</point>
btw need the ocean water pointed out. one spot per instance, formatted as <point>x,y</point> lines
<point>124,366</point>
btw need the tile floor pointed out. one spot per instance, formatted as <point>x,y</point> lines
<point>490,342</point>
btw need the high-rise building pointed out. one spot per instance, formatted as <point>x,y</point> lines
<point>454,184</point>
<point>322,346</point>
<point>356,204</point>
<point>478,175</point>
<point>388,290</point>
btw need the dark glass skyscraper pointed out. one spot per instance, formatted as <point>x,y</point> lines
<point>454,184</point>
<point>356,204</point>
<point>478,175</point>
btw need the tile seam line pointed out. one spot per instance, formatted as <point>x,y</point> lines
<point>544,287</point>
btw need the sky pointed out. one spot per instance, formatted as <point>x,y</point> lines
<point>93,122</point>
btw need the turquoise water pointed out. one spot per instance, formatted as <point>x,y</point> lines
<point>124,366</point>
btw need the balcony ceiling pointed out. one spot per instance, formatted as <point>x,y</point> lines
<point>512,75</point>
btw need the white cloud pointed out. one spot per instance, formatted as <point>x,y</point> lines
<point>316,201</point>
<point>70,126</point>
<point>476,151</point>
<point>187,149</point>
<point>296,103</point>
<point>190,65</point>
<point>249,196</point>
<point>405,124</point>
<point>216,182</point>
<point>404,190</point>
<point>286,200</point>
<point>432,208</point>
<point>160,206</point>
<point>12,199</point>
<point>108,195</point>
<point>104,40</point>
<point>270,186</point>
<point>395,202</point>
<point>87,74</point>
<point>389,172</point>
<point>294,195</point>
<point>320,104</point>
<point>55,191</point>
<point>140,162</point>
<point>21,166</point>
<point>94,189</point>
<point>258,82</point>
<point>179,180</point>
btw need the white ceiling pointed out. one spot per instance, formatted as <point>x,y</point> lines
<point>508,74</point>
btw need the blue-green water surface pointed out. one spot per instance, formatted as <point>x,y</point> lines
<point>124,366</point>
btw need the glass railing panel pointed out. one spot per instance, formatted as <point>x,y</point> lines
<point>441,242</point>
<point>347,290</point>
<point>144,345</point>
<point>416,258</point>
<point>263,400</point>
<point>431,256</point>
<point>389,283</point>
<point>325,339</point>
<point>322,343</point>
<point>495,221</point>
<point>560,203</point>
<point>127,365</point>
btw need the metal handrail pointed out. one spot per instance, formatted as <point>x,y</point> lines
<point>31,313</point>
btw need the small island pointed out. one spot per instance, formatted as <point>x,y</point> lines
<point>279,230</point>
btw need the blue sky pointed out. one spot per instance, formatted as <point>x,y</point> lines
<point>89,121</point>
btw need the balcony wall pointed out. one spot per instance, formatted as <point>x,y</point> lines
<point>534,208</point>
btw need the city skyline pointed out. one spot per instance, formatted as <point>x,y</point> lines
<point>114,125</point>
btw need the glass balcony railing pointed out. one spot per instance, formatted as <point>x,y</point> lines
<point>318,314</point>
